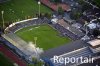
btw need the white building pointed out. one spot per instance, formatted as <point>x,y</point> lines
<point>54,20</point>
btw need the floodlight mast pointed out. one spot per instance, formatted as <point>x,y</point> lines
<point>2,12</point>
<point>39,3</point>
<point>35,39</point>
<point>86,36</point>
<point>86,27</point>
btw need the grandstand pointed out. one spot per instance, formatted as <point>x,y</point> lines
<point>71,32</point>
<point>65,32</point>
<point>70,28</point>
<point>83,52</point>
<point>28,50</point>
<point>25,23</point>
<point>20,46</point>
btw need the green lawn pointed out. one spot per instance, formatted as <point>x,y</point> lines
<point>20,9</point>
<point>5,61</point>
<point>46,35</point>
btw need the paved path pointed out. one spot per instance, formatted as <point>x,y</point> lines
<point>12,56</point>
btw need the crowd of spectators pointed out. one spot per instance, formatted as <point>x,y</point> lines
<point>20,25</point>
<point>62,31</point>
<point>65,32</point>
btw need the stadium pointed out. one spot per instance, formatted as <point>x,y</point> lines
<point>14,34</point>
<point>39,39</point>
<point>13,29</point>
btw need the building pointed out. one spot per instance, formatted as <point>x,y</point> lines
<point>95,44</point>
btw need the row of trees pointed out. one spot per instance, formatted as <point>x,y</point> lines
<point>84,6</point>
<point>75,14</point>
<point>97,2</point>
<point>38,63</point>
<point>78,11</point>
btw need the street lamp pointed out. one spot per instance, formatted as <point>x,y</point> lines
<point>39,3</point>
<point>86,27</point>
<point>2,12</point>
<point>86,36</point>
<point>35,39</point>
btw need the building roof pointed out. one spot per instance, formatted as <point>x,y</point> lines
<point>54,6</point>
<point>95,42</point>
<point>92,25</point>
<point>55,20</point>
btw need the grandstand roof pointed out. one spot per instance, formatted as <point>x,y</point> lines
<point>64,49</point>
<point>82,52</point>
<point>95,63</point>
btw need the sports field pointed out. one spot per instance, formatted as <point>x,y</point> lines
<point>5,61</point>
<point>15,10</point>
<point>47,37</point>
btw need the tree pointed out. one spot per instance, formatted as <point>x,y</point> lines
<point>97,2</point>
<point>56,1</point>
<point>75,15</point>
<point>60,10</point>
<point>98,20</point>
<point>80,1</point>
<point>37,62</point>
<point>48,15</point>
<point>96,32</point>
<point>85,6</point>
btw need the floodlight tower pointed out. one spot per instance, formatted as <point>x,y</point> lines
<point>35,39</point>
<point>2,13</point>
<point>86,27</point>
<point>39,3</point>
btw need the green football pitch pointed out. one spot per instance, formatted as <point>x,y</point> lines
<point>15,10</point>
<point>47,37</point>
<point>5,61</point>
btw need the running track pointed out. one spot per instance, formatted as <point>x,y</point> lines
<point>12,56</point>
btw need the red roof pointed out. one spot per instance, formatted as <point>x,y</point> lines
<point>54,7</point>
